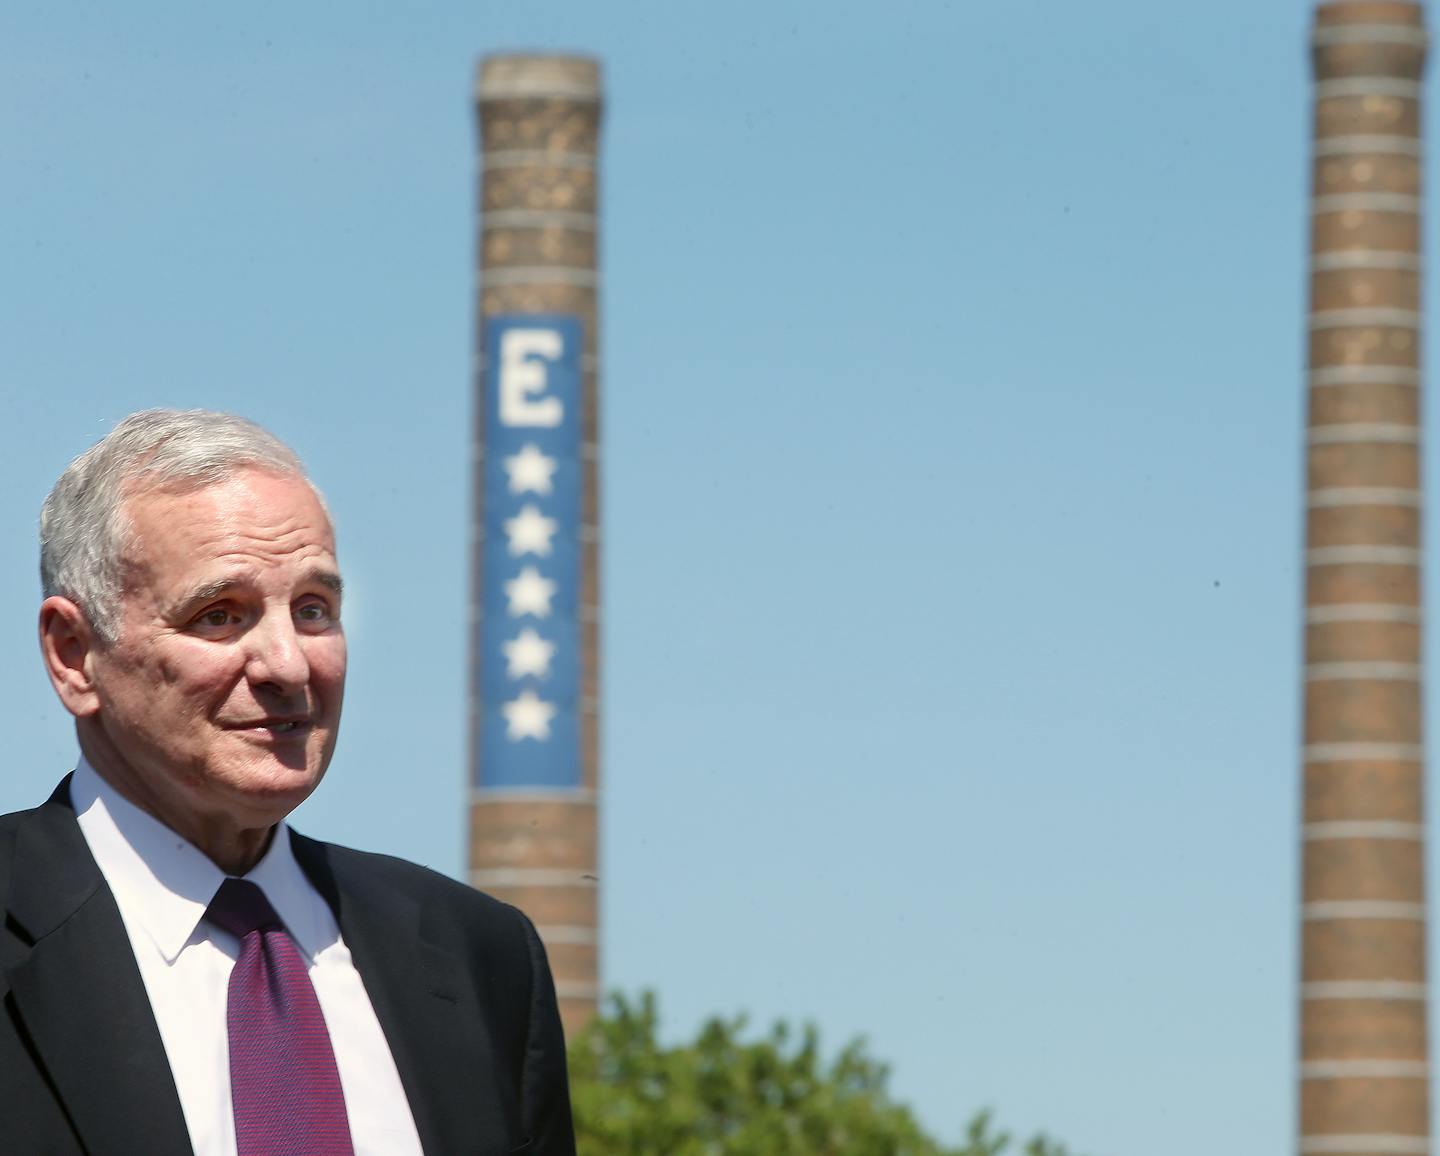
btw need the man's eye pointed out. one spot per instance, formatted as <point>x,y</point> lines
<point>216,617</point>
<point>313,612</point>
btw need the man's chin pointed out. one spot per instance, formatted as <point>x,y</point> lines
<point>274,785</point>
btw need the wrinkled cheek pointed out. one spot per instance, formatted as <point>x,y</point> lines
<point>331,686</point>
<point>167,674</point>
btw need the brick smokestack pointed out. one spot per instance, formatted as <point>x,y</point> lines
<point>1364,1075</point>
<point>533,834</point>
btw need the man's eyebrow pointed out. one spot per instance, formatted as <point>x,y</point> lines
<point>327,578</point>
<point>206,592</point>
<point>321,577</point>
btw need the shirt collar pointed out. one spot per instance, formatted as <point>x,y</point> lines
<point>164,883</point>
<point>301,909</point>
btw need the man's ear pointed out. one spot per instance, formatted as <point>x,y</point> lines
<point>68,645</point>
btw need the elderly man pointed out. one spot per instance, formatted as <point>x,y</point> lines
<point>179,970</point>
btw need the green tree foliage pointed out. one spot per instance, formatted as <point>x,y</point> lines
<point>721,1096</point>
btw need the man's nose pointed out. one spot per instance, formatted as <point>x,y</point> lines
<point>276,656</point>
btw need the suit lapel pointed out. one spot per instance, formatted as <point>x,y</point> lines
<point>79,994</point>
<point>421,996</point>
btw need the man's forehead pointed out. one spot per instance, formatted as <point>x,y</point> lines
<point>227,526</point>
<point>264,495</point>
<point>144,484</point>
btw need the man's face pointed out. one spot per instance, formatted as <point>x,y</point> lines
<point>220,701</point>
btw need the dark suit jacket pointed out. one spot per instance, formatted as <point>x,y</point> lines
<point>458,980</point>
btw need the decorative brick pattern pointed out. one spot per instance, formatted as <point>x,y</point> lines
<point>1363,1008</point>
<point>1357,583</point>
<point>551,835</point>
<point>1362,789</point>
<point>1365,869</point>
<point>1363,1029</point>
<point>1357,710</point>
<point>1363,641</point>
<point>1364,464</point>
<point>1392,1105</point>
<point>553,906</point>
<point>1370,949</point>
<point>1377,402</point>
<point>537,245</point>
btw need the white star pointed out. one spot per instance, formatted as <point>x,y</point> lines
<point>530,470</point>
<point>530,594</point>
<point>529,531</point>
<point>527,717</point>
<point>529,654</point>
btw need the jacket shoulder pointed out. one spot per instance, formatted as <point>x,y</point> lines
<point>438,894</point>
<point>11,823</point>
<point>10,827</point>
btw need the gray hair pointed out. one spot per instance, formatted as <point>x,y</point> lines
<point>84,530</point>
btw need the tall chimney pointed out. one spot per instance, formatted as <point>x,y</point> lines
<point>534,707</point>
<point>1364,1074</point>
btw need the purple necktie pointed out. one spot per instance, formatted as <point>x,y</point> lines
<point>283,1079</point>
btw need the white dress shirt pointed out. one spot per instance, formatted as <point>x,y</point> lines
<point>162,885</point>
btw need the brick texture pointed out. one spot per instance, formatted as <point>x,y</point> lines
<point>537,243</point>
<point>1362,946</point>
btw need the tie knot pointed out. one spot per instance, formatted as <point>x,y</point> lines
<point>240,907</point>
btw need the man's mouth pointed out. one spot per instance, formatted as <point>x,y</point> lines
<point>273,725</point>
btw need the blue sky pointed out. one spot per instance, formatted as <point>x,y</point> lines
<point>952,408</point>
